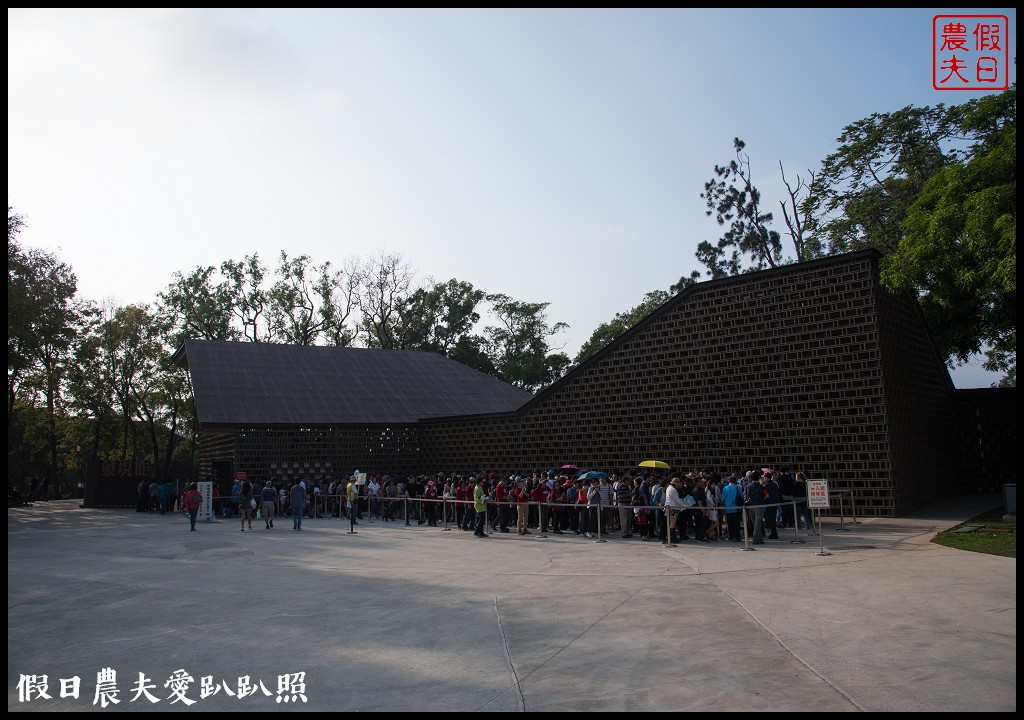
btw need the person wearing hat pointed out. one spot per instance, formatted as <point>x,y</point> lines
<point>673,506</point>
<point>268,503</point>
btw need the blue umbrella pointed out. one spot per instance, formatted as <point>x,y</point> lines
<point>593,475</point>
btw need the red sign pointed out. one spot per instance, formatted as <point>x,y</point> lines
<point>970,52</point>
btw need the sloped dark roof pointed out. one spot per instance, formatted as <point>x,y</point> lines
<point>243,383</point>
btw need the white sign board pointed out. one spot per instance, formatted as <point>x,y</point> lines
<point>817,494</point>
<point>206,510</point>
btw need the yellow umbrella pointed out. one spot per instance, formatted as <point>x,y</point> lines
<point>655,464</point>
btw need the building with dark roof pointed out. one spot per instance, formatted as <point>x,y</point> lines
<point>282,411</point>
<point>810,367</point>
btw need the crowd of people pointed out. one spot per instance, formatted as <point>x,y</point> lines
<point>700,506</point>
<point>161,497</point>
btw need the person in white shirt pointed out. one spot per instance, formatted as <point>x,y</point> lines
<point>673,505</point>
<point>374,490</point>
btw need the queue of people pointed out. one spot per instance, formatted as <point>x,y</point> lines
<point>701,506</point>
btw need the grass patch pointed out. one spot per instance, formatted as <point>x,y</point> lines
<point>996,537</point>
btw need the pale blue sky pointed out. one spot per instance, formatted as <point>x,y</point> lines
<point>551,155</point>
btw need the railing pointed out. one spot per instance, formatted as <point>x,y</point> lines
<point>582,518</point>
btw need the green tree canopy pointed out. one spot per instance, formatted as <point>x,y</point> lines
<point>959,248</point>
<point>518,345</point>
<point>623,321</point>
<point>864,189</point>
<point>44,319</point>
<point>933,189</point>
<point>438,317</point>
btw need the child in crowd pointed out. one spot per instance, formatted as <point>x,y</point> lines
<point>641,521</point>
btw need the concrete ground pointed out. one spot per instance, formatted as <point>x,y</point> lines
<point>417,619</point>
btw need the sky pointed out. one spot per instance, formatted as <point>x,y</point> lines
<point>554,156</point>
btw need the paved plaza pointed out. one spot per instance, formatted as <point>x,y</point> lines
<point>398,618</point>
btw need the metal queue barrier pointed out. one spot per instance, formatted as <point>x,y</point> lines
<point>324,506</point>
<point>413,507</point>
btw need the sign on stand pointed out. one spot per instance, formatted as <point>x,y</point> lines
<point>817,499</point>
<point>205,489</point>
<point>817,494</point>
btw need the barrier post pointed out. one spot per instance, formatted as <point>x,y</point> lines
<point>821,538</point>
<point>600,510</point>
<point>444,509</point>
<point>796,527</point>
<point>406,510</point>
<point>842,527</point>
<point>746,531</point>
<point>668,528</point>
<point>853,511</point>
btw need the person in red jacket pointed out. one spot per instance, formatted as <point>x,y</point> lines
<point>193,501</point>
<point>501,499</point>
<point>460,500</point>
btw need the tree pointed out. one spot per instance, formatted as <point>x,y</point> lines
<point>309,302</point>
<point>44,319</point>
<point>437,318</point>
<point>865,188</point>
<point>90,388</point>
<point>199,306</point>
<point>931,188</point>
<point>518,346</point>
<point>685,281</point>
<point>340,298</point>
<point>129,351</point>
<point>247,298</point>
<point>606,332</point>
<point>387,284</point>
<point>959,248</point>
<point>19,307</point>
<point>734,201</point>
